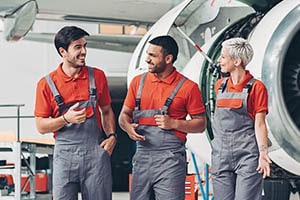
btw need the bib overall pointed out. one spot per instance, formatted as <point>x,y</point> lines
<point>159,164</point>
<point>80,164</point>
<point>234,148</point>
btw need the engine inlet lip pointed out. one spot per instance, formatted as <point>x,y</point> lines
<point>280,122</point>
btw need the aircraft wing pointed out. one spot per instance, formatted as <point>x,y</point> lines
<point>123,43</point>
<point>19,17</point>
<point>122,11</point>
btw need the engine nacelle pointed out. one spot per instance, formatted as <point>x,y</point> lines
<point>276,43</point>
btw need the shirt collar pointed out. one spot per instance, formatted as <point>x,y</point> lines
<point>241,84</point>
<point>82,74</point>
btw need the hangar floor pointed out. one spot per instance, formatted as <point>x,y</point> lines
<point>120,196</point>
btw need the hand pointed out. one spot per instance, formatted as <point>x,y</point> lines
<point>134,135</point>
<point>264,165</point>
<point>109,144</point>
<point>75,115</point>
<point>164,121</point>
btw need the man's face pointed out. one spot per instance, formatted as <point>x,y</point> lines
<point>76,53</point>
<point>155,59</point>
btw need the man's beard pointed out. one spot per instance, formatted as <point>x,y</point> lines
<point>156,68</point>
<point>79,66</point>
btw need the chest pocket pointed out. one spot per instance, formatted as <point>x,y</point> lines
<point>82,104</point>
<point>230,103</point>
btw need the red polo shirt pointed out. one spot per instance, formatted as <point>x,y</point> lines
<point>72,89</point>
<point>188,100</point>
<point>257,99</point>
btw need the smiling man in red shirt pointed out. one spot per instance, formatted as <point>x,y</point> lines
<point>73,101</point>
<point>154,115</point>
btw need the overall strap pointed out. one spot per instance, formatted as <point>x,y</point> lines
<point>58,98</point>
<point>172,95</point>
<point>246,88</point>
<point>138,96</point>
<point>92,87</point>
<point>223,85</point>
<point>249,85</point>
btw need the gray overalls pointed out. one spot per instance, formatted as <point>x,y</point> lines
<point>234,149</point>
<point>80,164</point>
<point>159,164</point>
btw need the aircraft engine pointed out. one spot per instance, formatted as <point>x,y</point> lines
<point>275,37</point>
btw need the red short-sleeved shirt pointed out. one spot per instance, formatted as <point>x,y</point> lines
<point>258,96</point>
<point>72,90</point>
<point>188,100</point>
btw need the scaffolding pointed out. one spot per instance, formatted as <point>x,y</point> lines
<point>17,148</point>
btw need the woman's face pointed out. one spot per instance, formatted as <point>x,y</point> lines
<point>227,63</point>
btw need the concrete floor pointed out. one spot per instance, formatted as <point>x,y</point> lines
<point>115,196</point>
<point>125,196</point>
<point>120,196</point>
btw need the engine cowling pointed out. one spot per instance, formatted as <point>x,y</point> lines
<point>276,43</point>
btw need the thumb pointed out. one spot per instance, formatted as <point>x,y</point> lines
<point>74,106</point>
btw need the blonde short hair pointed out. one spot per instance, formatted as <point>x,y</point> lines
<point>239,48</point>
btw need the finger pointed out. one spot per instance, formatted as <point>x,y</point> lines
<point>269,160</point>
<point>74,106</point>
<point>265,173</point>
<point>135,125</point>
<point>268,171</point>
<point>102,144</point>
<point>138,137</point>
<point>82,120</point>
<point>107,150</point>
<point>258,169</point>
<point>82,111</point>
<point>157,116</point>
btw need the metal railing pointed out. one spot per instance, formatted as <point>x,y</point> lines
<point>17,116</point>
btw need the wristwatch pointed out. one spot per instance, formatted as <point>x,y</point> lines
<point>112,134</point>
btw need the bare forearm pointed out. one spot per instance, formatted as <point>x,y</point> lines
<point>196,125</point>
<point>48,125</point>
<point>261,133</point>
<point>109,122</point>
<point>262,138</point>
<point>125,122</point>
